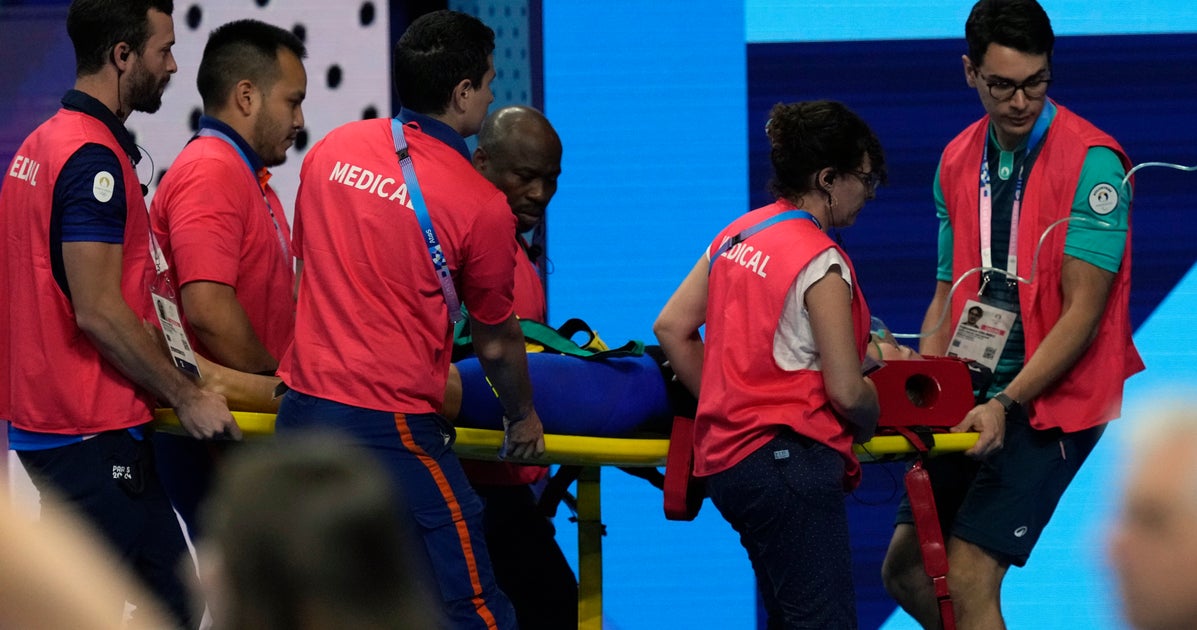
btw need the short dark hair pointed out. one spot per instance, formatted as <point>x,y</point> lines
<point>1019,24</point>
<point>97,26</point>
<point>809,136</point>
<point>438,51</point>
<point>244,49</point>
<point>312,525</point>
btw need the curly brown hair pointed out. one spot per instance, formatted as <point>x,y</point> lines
<point>808,136</point>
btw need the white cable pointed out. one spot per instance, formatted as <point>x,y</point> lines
<point>1137,167</point>
<point>955,285</point>
<point>145,186</point>
<point>1035,261</point>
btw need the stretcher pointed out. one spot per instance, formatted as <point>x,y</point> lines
<point>914,395</point>
<point>592,454</point>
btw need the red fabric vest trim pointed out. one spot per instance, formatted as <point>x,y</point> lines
<point>52,378</point>
<point>1091,392</point>
<point>529,300</point>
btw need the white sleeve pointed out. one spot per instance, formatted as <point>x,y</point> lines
<point>793,343</point>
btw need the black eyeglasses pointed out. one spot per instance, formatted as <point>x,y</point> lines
<point>871,180</point>
<point>1033,88</point>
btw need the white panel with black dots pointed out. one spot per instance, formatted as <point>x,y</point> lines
<point>509,20</point>
<point>348,67</point>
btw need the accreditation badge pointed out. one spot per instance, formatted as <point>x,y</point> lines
<point>982,333</point>
<point>171,322</point>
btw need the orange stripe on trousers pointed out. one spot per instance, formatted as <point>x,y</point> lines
<point>463,533</point>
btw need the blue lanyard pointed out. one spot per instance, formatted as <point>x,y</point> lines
<point>773,220</point>
<point>208,132</point>
<point>985,203</point>
<point>421,210</point>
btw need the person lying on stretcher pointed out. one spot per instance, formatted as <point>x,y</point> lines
<point>614,396</point>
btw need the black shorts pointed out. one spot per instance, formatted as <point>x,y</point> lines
<point>1003,503</point>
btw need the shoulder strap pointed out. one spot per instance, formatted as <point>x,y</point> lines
<point>764,223</point>
<point>429,234</point>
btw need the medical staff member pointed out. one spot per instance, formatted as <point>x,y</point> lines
<point>384,270</point>
<point>1028,172</point>
<point>520,153</point>
<point>79,373</point>
<point>222,227</point>
<point>781,396</point>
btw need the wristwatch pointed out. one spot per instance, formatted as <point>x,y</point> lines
<point>1008,404</point>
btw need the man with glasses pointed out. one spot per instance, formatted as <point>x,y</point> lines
<point>1028,168</point>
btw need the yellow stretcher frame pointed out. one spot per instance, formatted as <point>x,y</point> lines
<point>592,453</point>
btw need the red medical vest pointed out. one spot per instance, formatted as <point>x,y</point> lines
<point>52,378</point>
<point>1091,391</point>
<point>746,397</point>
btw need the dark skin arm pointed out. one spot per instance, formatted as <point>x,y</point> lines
<point>500,350</point>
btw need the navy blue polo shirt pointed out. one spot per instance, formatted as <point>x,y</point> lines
<point>436,129</point>
<point>76,215</point>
